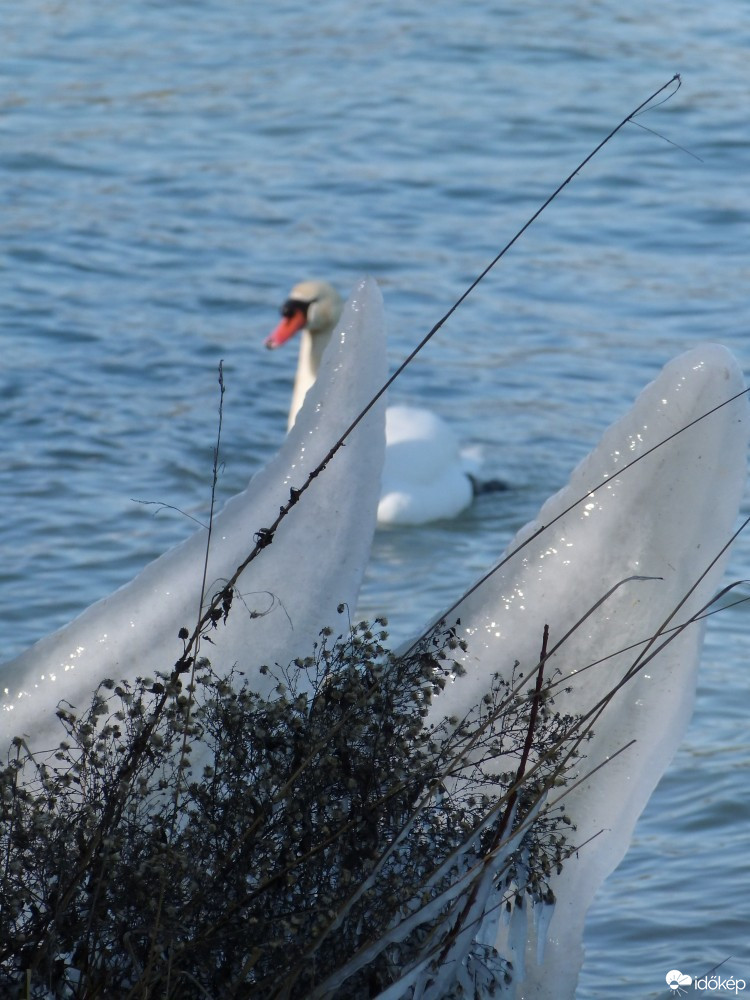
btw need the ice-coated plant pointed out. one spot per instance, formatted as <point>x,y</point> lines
<point>318,829</point>
<point>192,838</point>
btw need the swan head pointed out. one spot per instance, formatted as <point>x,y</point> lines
<point>314,306</point>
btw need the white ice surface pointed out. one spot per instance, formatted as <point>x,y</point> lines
<point>316,560</point>
<point>667,516</point>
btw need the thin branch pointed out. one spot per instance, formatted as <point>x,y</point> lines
<point>264,537</point>
<point>160,505</point>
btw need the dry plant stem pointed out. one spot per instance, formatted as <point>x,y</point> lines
<point>467,878</point>
<point>11,837</point>
<point>471,877</point>
<point>506,804</point>
<point>458,761</point>
<point>431,333</point>
<point>513,692</point>
<point>197,632</point>
<point>584,725</point>
<point>699,616</point>
<point>645,657</point>
<point>586,777</point>
<point>357,892</point>
<point>450,896</point>
<point>300,861</point>
<point>535,701</point>
<point>264,536</point>
<point>160,505</point>
<point>604,482</point>
<point>120,787</point>
<point>510,807</point>
<point>688,593</point>
<point>586,722</point>
<point>191,687</point>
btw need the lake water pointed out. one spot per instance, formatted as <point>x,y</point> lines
<point>170,170</point>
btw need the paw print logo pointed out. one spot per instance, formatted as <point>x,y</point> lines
<point>676,980</point>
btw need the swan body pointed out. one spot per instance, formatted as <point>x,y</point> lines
<point>425,477</point>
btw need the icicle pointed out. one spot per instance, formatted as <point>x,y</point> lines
<point>285,596</point>
<point>666,517</point>
<point>543,913</point>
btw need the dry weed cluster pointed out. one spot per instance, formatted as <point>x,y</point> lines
<point>194,838</point>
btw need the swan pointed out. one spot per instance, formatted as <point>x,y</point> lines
<point>426,477</point>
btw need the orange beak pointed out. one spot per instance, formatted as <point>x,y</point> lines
<point>288,326</point>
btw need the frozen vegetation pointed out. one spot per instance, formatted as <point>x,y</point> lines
<point>631,549</point>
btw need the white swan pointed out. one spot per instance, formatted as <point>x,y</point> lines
<point>425,476</point>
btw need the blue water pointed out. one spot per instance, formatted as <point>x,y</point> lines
<point>168,171</point>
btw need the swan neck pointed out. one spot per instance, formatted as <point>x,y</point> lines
<point>311,350</point>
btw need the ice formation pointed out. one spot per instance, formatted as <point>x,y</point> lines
<point>667,516</point>
<point>315,561</point>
